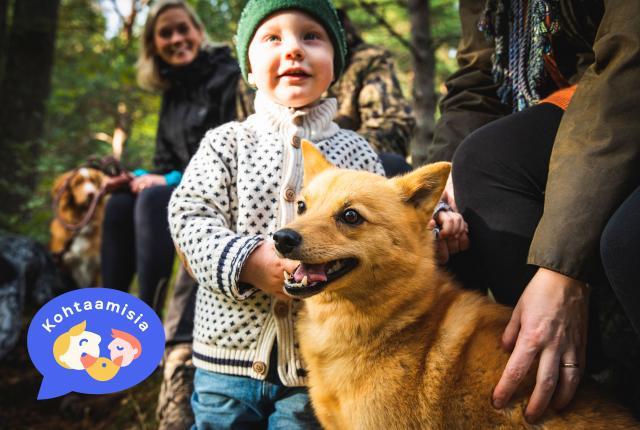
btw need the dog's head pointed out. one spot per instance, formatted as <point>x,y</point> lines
<point>77,188</point>
<point>356,229</point>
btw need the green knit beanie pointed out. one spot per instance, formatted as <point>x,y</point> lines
<point>256,11</point>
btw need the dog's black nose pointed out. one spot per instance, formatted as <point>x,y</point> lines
<point>286,240</point>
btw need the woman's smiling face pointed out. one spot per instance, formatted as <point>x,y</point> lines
<point>175,37</point>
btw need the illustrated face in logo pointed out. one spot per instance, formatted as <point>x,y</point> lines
<point>70,347</point>
<point>124,346</point>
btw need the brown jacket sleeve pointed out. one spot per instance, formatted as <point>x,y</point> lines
<point>595,163</point>
<point>471,99</point>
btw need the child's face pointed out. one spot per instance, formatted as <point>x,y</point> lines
<point>121,348</point>
<point>291,58</point>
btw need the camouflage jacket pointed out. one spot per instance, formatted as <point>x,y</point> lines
<point>370,101</point>
<point>245,97</point>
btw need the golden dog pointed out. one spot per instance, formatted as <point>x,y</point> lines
<point>78,250</point>
<point>390,341</point>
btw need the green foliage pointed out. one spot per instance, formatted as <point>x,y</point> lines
<point>445,29</point>
<point>91,76</point>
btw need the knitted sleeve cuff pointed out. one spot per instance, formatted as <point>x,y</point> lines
<point>230,264</point>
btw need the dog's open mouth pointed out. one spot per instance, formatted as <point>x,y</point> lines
<point>310,279</point>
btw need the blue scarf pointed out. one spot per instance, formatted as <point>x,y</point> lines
<point>522,38</point>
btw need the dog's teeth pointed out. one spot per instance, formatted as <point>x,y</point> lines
<point>335,267</point>
<point>286,276</point>
<point>304,281</point>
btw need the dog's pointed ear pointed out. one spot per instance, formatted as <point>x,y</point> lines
<point>314,161</point>
<point>59,183</point>
<point>423,187</point>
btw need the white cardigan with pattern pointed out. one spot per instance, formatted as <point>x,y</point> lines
<point>235,193</point>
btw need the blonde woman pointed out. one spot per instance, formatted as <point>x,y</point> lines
<point>198,82</point>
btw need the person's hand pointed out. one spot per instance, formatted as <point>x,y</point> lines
<point>453,236</point>
<point>113,183</point>
<point>265,270</point>
<point>550,319</point>
<point>146,181</point>
<point>448,196</point>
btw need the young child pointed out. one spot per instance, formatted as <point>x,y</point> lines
<point>241,187</point>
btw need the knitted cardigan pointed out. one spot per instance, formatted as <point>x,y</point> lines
<point>238,189</point>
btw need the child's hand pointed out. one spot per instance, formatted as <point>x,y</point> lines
<point>453,235</point>
<point>265,270</point>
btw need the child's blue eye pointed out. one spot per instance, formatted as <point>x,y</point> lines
<point>272,38</point>
<point>120,348</point>
<point>83,341</point>
<point>311,36</point>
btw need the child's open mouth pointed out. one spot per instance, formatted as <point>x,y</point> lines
<point>294,73</point>
<point>311,279</point>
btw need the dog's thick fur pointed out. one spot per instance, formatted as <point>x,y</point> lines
<point>81,258</point>
<point>394,343</point>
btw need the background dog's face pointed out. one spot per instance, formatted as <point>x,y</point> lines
<point>82,186</point>
<point>358,229</point>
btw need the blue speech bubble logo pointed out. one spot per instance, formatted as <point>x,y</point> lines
<point>94,341</point>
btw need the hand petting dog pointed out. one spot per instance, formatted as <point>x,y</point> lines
<point>550,319</point>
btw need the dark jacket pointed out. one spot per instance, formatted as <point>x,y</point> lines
<point>201,96</point>
<point>595,162</point>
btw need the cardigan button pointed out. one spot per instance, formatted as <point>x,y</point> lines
<point>290,195</point>
<point>297,120</point>
<point>259,367</point>
<point>281,309</point>
<point>295,142</point>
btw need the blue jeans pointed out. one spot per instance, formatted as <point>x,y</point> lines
<point>222,401</point>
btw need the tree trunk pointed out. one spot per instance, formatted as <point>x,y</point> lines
<point>423,84</point>
<point>25,89</point>
<point>4,14</point>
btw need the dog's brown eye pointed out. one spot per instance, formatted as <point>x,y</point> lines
<point>301,207</point>
<point>350,216</point>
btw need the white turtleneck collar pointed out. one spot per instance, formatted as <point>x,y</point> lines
<point>313,123</point>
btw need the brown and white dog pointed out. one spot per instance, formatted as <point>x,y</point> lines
<point>390,341</point>
<point>77,245</point>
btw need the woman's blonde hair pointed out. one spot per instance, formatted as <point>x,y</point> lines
<point>148,63</point>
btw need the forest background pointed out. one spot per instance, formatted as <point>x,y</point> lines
<point>68,92</point>
<point>68,89</point>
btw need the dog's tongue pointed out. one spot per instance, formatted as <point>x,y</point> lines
<point>313,272</point>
